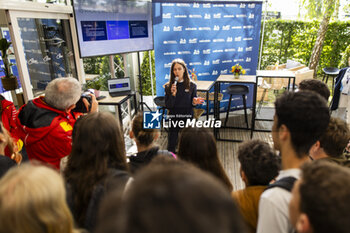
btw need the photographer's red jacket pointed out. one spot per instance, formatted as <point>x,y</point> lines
<point>8,117</point>
<point>45,131</point>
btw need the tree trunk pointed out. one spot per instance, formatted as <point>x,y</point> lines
<point>316,52</point>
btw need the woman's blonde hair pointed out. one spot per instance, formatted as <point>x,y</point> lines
<point>33,200</point>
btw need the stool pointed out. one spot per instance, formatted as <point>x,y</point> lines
<point>332,72</point>
<point>238,90</point>
<point>160,102</point>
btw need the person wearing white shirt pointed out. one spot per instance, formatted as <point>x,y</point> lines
<point>300,119</point>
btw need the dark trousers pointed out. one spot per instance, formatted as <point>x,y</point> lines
<point>173,135</point>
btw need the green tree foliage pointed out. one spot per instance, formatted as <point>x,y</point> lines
<point>146,74</point>
<point>316,9</point>
<point>286,39</point>
<point>344,62</point>
<point>100,66</point>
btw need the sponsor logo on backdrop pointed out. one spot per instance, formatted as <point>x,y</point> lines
<point>167,16</point>
<point>177,28</point>
<point>207,5</point>
<point>180,16</point>
<point>195,16</point>
<point>170,42</point>
<point>204,29</point>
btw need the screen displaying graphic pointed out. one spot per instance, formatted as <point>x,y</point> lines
<point>113,26</point>
<point>210,36</point>
<point>118,85</point>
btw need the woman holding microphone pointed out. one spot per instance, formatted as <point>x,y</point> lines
<point>180,98</point>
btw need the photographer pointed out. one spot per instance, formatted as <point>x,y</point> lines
<point>45,124</point>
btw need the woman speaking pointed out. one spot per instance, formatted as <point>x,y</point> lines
<point>180,98</point>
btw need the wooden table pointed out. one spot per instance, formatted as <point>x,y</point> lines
<point>243,79</point>
<point>205,86</point>
<point>117,101</point>
<point>276,74</point>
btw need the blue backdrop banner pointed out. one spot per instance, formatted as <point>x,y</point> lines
<point>210,37</point>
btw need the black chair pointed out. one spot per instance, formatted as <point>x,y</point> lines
<point>241,90</point>
<point>330,72</point>
<point>160,102</point>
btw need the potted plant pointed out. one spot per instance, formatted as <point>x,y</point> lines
<point>9,81</point>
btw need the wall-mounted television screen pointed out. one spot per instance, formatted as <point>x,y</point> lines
<point>107,27</point>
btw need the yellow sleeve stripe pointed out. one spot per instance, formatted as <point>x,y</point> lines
<point>66,127</point>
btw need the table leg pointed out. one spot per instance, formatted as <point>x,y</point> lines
<point>288,87</point>
<point>293,83</point>
<point>254,108</point>
<point>135,104</point>
<point>215,107</point>
<point>119,108</point>
<point>207,105</point>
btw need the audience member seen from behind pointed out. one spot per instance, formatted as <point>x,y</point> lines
<point>6,142</point>
<point>33,200</point>
<point>180,97</point>
<point>259,166</point>
<point>45,124</point>
<point>145,142</point>
<point>315,85</point>
<point>320,201</point>
<point>332,143</point>
<point>96,165</point>
<point>172,199</point>
<point>300,120</point>
<point>198,146</point>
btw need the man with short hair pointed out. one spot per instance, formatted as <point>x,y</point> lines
<point>332,143</point>
<point>300,119</point>
<point>320,199</point>
<point>259,166</point>
<point>315,85</point>
<point>45,124</point>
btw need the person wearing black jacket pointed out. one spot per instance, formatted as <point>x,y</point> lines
<point>341,92</point>
<point>180,98</point>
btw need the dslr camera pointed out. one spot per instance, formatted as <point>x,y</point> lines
<point>80,106</point>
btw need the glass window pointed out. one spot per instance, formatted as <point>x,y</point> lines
<point>48,50</point>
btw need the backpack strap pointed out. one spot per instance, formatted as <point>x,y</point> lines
<point>286,183</point>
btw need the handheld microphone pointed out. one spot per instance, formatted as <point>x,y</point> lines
<point>176,79</point>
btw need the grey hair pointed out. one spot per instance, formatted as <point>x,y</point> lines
<point>61,93</point>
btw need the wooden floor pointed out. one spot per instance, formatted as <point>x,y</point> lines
<point>228,150</point>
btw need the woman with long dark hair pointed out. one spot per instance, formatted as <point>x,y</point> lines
<point>180,98</point>
<point>96,165</point>
<point>198,146</point>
